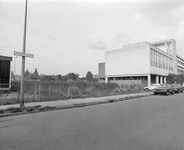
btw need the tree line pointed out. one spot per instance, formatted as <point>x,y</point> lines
<point>175,78</point>
<point>57,78</point>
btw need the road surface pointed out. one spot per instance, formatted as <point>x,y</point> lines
<point>155,122</point>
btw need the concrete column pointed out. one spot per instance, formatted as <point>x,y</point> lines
<point>149,80</point>
<point>10,77</point>
<point>164,79</point>
<point>161,80</point>
<point>106,79</point>
<point>157,81</point>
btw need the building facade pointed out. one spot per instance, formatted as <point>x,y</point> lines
<point>142,63</point>
<point>5,72</point>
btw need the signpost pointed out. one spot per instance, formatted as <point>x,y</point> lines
<point>23,54</point>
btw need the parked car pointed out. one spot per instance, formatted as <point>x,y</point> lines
<point>164,89</point>
<point>177,88</point>
<point>151,87</point>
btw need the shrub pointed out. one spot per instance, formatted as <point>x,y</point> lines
<point>75,90</point>
<point>131,88</point>
<point>89,89</point>
<point>81,84</point>
<point>15,86</point>
<point>102,86</point>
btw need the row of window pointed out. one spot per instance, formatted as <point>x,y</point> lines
<point>128,78</point>
<point>162,44</point>
<point>180,68</point>
<point>161,61</point>
<point>180,61</point>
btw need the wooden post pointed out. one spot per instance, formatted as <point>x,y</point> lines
<point>49,89</point>
<point>68,90</point>
<point>39,92</point>
<point>35,89</point>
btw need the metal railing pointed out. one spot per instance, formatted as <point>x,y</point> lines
<point>4,83</point>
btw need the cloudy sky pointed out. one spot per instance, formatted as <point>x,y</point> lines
<point>73,35</point>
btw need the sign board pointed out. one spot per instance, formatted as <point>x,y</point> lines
<point>23,54</point>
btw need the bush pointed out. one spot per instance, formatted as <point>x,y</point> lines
<point>131,88</point>
<point>75,90</point>
<point>101,86</point>
<point>81,84</point>
<point>15,86</point>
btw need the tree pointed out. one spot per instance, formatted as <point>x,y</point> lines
<point>26,73</point>
<point>59,77</point>
<point>36,72</point>
<point>43,77</point>
<point>31,76</point>
<point>73,76</point>
<point>89,76</point>
<point>171,78</point>
<point>178,78</point>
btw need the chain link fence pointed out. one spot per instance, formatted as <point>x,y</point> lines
<point>45,91</point>
<point>42,91</point>
<point>38,91</point>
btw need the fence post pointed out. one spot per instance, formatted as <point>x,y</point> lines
<point>68,90</point>
<point>35,89</point>
<point>49,89</point>
<point>39,91</point>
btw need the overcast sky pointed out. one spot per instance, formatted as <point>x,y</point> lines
<point>73,35</point>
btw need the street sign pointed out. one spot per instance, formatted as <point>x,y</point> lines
<point>23,54</point>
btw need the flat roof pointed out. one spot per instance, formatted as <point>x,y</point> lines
<point>5,58</point>
<point>127,46</point>
<point>162,41</point>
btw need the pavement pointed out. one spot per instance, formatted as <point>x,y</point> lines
<point>78,102</point>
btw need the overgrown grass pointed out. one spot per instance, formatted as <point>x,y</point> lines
<point>77,89</point>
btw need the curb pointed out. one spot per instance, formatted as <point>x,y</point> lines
<point>78,105</point>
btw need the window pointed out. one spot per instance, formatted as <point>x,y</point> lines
<point>167,62</point>
<point>159,59</point>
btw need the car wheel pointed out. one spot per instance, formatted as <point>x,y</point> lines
<point>154,93</point>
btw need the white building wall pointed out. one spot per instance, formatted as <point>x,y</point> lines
<point>131,59</point>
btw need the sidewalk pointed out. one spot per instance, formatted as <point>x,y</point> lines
<point>75,102</point>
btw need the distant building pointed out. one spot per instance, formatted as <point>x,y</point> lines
<point>101,71</point>
<point>141,63</point>
<point>5,73</point>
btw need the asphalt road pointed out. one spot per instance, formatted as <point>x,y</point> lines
<point>149,123</point>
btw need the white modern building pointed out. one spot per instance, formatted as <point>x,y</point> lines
<point>141,63</point>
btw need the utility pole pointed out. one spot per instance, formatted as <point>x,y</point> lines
<point>23,54</point>
<point>23,60</point>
